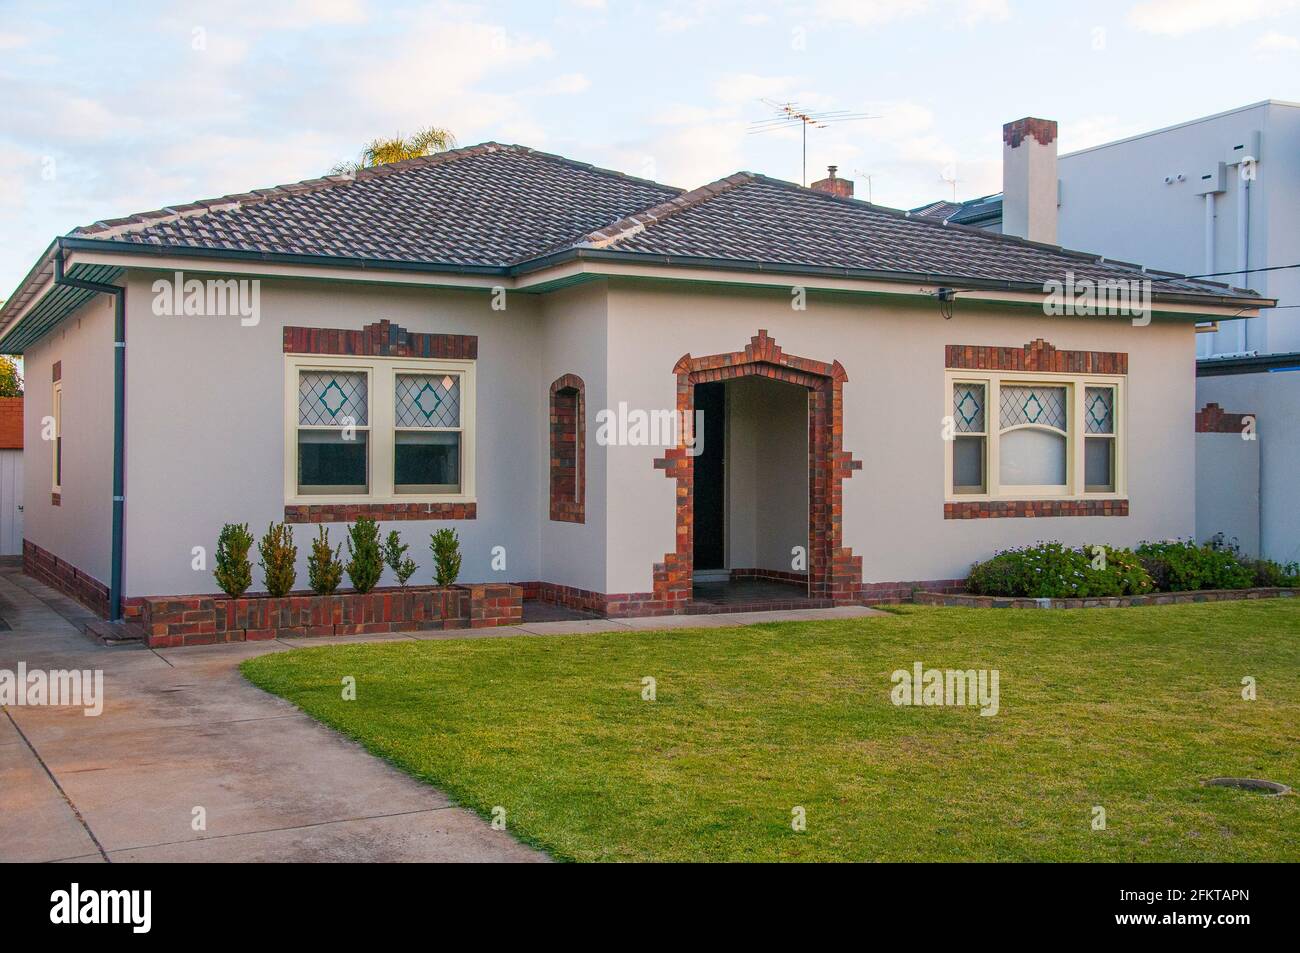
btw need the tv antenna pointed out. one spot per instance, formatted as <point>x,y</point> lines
<point>949,175</point>
<point>863,174</point>
<point>789,114</point>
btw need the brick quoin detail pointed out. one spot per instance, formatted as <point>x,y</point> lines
<point>57,371</point>
<point>834,573</point>
<point>997,509</point>
<point>350,512</point>
<point>1214,419</point>
<point>568,425</point>
<point>381,339</point>
<point>1037,355</point>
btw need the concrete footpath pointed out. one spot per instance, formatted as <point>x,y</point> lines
<point>183,736</point>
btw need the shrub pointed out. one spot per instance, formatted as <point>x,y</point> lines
<point>324,568</point>
<point>1274,575</point>
<point>1055,571</point>
<point>278,557</point>
<point>1181,565</point>
<point>403,566</point>
<point>446,556</point>
<point>234,573</point>
<point>365,558</point>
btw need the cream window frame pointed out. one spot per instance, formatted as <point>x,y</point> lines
<point>381,388</point>
<point>56,444</point>
<point>1075,487</point>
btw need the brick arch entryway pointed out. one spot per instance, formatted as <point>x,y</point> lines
<point>833,571</point>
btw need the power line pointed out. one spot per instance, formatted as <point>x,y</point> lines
<point>1243,271</point>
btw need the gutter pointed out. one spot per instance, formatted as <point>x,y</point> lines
<point>119,420</point>
<point>565,256</point>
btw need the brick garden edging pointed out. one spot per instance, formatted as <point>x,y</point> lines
<point>171,621</point>
<point>969,601</point>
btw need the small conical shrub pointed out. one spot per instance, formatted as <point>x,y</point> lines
<point>446,556</point>
<point>278,557</point>
<point>365,557</point>
<point>234,573</point>
<point>403,566</point>
<point>324,568</point>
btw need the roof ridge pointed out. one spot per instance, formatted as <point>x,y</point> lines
<point>110,228</point>
<point>639,221</point>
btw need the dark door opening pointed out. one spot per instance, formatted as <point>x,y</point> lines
<point>710,478</point>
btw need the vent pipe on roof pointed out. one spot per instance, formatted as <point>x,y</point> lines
<point>1030,193</point>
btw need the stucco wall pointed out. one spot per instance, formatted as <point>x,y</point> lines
<point>1274,399</point>
<point>1227,489</point>
<point>80,529</point>
<point>206,434</point>
<point>893,404</point>
<point>572,341</point>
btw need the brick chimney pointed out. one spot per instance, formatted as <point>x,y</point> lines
<point>834,186</point>
<point>1029,180</point>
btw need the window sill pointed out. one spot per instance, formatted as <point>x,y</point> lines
<point>1109,505</point>
<point>347,512</point>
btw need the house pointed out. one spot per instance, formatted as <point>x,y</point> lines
<point>1218,195</point>
<point>520,346</point>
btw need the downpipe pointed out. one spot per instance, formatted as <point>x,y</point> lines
<point>119,419</point>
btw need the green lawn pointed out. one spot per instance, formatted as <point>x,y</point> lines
<point>1128,709</point>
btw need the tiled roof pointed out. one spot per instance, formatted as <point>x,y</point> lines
<point>937,210</point>
<point>500,206</point>
<point>751,218</point>
<point>489,204</point>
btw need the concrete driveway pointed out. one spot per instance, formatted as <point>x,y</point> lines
<point>183,736</point>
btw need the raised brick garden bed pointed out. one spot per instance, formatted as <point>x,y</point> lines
<point>967,600</point>
<point>171,621</point>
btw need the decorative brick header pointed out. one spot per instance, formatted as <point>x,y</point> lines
<point>382,339</point>
<point>834,573</point>
<point>350,512</point>
<point>1214,419</point>
<point>999,509</point>
<point>1044,130</point>
<point>568,427</point>
<point>1037,355</point>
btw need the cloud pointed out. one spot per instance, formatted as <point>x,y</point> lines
<point>870,12</point>
<point>748,87</point>
<point>1087,131</point>
<point>568,84</point>
<point>974,12</point>
<point>1177,17</point>
<point>1274,42</point>
<point>13,41</point>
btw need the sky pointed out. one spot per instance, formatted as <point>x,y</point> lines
<point>112,108</point>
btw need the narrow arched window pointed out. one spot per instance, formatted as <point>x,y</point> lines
<point>568,450</point>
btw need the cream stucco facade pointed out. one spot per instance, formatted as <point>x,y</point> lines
<point>205,429</point>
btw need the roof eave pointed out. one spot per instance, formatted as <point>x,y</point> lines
<point>828,271</point>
